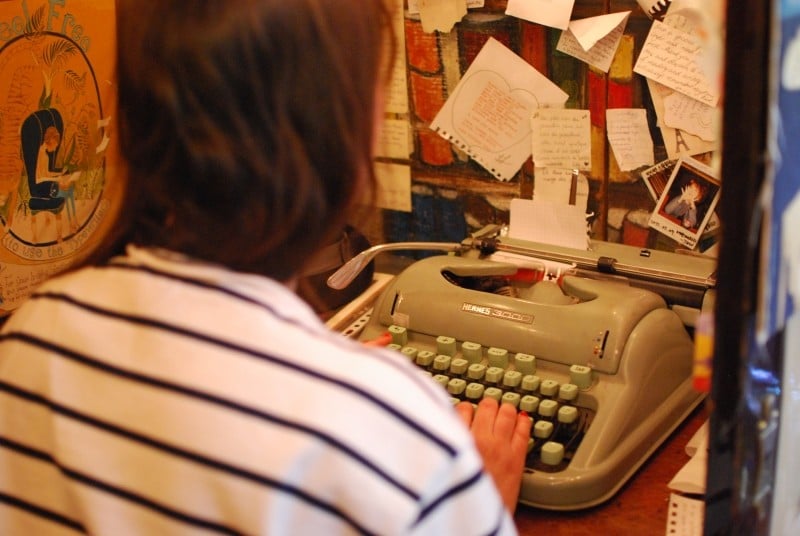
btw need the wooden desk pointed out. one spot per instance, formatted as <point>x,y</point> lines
<point>639,508</point>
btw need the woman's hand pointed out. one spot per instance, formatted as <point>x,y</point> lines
<point>501,434</point>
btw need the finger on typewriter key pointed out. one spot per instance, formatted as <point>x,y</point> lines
<point>501,434</point>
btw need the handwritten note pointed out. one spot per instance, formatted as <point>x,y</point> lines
<point>594,40</point>
<point>488,114</point>
<point>396,92</point>
<point>441,15</point>
<point>691,116</point>
<point>553,13</point>
<point>670,57</point>
<point>677,142</point>
<point>629,137</point>
<point>394,186</point>
<point>394,139</point>
<point>562,138</point>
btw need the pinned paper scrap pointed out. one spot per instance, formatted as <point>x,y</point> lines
<point>594,40</point>
<point>629,137</point>
<point>692,116</point>
<point>558,224</point>
<point>562,138</point>
<point>553,13</point>
<point>672,57</point>
<point>558,185</point>
<point>488,114</point>
<point>676,141</point>
<point>441,15</point>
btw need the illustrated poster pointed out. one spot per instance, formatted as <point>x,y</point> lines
<point>56,132</point>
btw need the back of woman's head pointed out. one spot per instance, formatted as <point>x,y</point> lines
<point>246,126</point>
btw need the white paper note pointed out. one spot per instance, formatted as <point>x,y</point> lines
<point>562,138</point>
<point>691,115</point>
<point>629,137</point>
<point>441,15</point>
<point>546,222</point>
<point>488,114</point>
<point>671,57</point>
<point>594,40</point>
<point>555,185</point>
<point>394,186</point>
<point>553,13</point>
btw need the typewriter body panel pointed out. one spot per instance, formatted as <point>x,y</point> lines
<point>636,349</point>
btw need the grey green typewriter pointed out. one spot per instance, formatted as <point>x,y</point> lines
<point>599,355</point>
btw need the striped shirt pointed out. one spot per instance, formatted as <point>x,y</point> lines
<point>158,396</point>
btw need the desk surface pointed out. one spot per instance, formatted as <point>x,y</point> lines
<point>639,508</point>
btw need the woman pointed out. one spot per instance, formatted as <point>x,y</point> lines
<point>181,386</point>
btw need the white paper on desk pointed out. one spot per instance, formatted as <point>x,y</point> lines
<point>553,13</point>
<point>488,114</point>
<point>559,224</point>
<point>691,478</point>
<point>672,57</point>
<point>440,15</point>
<point>594,40</point>
<point>629,137</point>
<point>561,138</point>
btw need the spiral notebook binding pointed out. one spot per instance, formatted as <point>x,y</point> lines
<point>465,147</point>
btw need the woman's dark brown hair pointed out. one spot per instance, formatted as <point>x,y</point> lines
<point>246,126</point>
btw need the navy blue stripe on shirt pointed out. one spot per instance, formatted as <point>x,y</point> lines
<point>42,512</point>
<point>243,350</point>
<point>427,386</point>
<point>213,399</point>
<point>448,494</point>
<point>172,450</point>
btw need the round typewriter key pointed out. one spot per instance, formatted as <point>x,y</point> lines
<point>548,408</point>
<point>425,358</point>
<point>476,371</point>
<point>567,414</point>
<point>525,363</point>
<point>552,453</point>
<point>493,392</point>
<point>568,391</point>
<point>458,366</point>
<point>394,346</point>
<point>512,378</point>
<point>472,351</point>
<point>549,388</point>
<point>456,386</point>
<point>529,404</point>
<point>446,345</point>
<point>441,362</point>
<point>474,391</point>
<point>511,398</point>
<point>530,383</point>
<point>498,357</point>
<point>399,335</point>
<point>542,429</point>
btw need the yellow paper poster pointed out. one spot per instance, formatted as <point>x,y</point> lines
<point>56,137</point>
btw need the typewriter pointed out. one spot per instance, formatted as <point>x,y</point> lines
<point>595,345</point>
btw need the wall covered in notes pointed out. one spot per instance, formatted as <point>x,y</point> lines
<point>597,103</point>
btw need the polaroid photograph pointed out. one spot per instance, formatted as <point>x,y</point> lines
<point>687,202</point>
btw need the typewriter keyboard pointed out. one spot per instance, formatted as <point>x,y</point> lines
<point>470,372</point>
